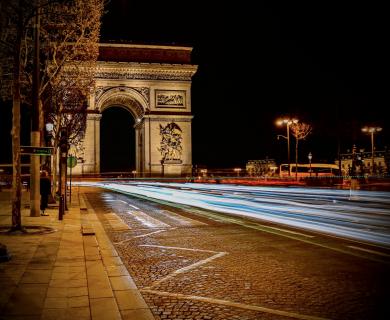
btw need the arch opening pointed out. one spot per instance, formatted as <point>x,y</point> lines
<point>117,140</point>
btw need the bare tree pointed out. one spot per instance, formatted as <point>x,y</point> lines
<point>69,35</point>
<point>71,39</point>
<point>300,131</point>
<point>15,16</point>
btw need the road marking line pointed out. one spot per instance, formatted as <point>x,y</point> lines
<point>133,206</point>
<point>288,231</point>
<point>148,234</point>
<point>181,219</point>
<point>234,304</point>
<point>148,220</point>
<point>370,251</point>
<point>142,235</point>
<point>177,248</point>
<point>123,241</point>
<point>185,269</point>
<point>312,242</point>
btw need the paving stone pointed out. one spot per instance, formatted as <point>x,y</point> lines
<point>129,299</point>
<point>30,296</point>
<point>122,283</point>
<point>104,308</point>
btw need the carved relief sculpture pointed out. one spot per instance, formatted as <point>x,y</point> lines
<point>171,143</point>
<point>169,99</point>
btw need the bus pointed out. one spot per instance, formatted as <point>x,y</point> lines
<point>307,170</point>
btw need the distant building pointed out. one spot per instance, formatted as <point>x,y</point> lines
<point>261,167</point>
<point>364,162</point>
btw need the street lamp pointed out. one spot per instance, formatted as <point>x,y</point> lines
<point>237,170</point>
<point>372,130</point>
<point>48,136</point>
<point>49,133</point>
<point>287,122</point>
<point>309,156</point>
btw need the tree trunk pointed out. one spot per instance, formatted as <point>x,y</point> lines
<point>35,127</point>
<point>15,133</point>
<point>296,158</point>
<point>54,171</point>
<point>66,181</point>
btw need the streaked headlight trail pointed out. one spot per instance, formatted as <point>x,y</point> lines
<point>363,216</point>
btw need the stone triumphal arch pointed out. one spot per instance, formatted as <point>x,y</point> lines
<point>154,84</point>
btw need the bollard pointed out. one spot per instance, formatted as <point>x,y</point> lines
<point>61,208</point>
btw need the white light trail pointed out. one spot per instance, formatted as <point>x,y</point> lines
<point>366,218</point>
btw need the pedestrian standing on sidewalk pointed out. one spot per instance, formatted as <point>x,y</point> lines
<point>45,185</point>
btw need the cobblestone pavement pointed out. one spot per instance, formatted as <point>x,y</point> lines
<point>191,266</point>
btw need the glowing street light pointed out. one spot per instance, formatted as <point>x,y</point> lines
<point>287,122</point>
<point>310,156</point>
<point>237,170</point>
<point>372,130</point>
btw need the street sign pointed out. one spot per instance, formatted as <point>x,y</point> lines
<point>38,151</point>
<point>71,162</point>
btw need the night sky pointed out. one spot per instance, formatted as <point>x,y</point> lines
<point>321,62</point>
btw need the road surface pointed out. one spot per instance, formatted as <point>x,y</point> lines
<point>193,262</point>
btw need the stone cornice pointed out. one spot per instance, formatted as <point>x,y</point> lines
<point>147,46</point>
<point>170,119</point>
<point>144,71</point>
<point>164,113</point>
<point>94,116</point>
<point>161,117</point>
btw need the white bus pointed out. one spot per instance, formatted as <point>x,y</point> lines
<point>307,170</point>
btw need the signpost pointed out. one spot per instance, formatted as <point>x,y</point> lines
<point>38,151</point>
<point>71,162</point>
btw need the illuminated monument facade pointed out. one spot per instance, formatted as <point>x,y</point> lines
<point>154,84</point>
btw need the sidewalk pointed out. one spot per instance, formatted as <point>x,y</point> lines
<point>73,272</point>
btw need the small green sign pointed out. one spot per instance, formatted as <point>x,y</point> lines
<point>71,162</point>
<point>39,151</point>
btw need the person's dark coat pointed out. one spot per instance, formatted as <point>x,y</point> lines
<point>45,191</point>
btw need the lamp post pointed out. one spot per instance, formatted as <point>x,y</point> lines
<point>310,156</point>
<point>49,135</point>
<point>372,131</point>
<point>287,122</point>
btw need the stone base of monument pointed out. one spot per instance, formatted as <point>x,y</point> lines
<point>172,168</point>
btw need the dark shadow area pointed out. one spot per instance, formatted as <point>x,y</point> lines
<point>5,131</point>
<point>117,141</point>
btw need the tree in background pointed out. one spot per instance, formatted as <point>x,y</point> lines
<point>300,131</point>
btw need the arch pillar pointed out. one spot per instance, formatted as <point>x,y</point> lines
<point>156,162</point>
<point>91,158</point>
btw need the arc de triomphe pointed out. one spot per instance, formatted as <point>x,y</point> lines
<point>154,84</point>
